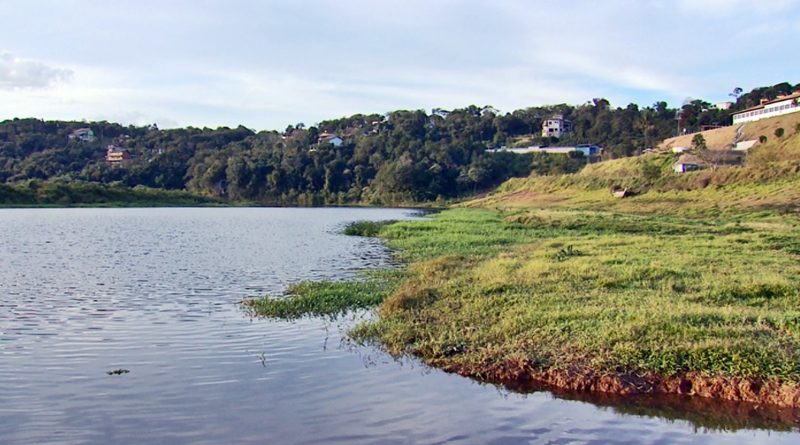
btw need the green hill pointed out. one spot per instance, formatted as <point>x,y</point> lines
<point>767,180</point>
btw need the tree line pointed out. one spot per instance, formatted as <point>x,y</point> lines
<point>398,157</point>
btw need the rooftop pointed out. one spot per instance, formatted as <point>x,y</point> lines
<point>795,95</point>
<point>687,158</point>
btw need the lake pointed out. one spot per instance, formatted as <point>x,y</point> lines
<point>157,292</point>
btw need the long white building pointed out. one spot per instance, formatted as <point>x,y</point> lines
<point>586,149</point>
<point>769,108</point>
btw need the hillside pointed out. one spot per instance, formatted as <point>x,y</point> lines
<point>768,180</point>
<point>398,158</point>
<point>723,138</point>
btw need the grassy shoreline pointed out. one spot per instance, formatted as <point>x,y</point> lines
<point>602,302</point>
<point>598,301</point>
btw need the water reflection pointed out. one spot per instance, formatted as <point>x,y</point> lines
<point>704,415</point>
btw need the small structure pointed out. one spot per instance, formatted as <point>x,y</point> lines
<point>440,112</point>
<point>679,149</point>
<point>769,108</point>
<point>83,135</point>
<point>330,138</point>
<point>117,156</point>
<point>556,126</point>
<point>620,192</point>
<point>589,150</point>
<point>722,158</point>
<point>687,163</point>
<point>723,105</point>
<point>744,145</point>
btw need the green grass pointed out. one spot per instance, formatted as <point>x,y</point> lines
<point>601,291</point>
<point>327,298</point>
<point>366,228</point>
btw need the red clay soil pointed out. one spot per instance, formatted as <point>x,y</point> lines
<point>755,391</point>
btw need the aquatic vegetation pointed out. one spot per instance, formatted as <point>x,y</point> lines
<point>366,228</point>
<point>325,298</point>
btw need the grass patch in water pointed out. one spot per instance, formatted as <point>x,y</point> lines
<point>324,298</point>
<point>366,228</point>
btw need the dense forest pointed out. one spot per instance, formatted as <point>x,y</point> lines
<point>397,157</point>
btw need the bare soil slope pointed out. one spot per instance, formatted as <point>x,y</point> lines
<point>722,138</point>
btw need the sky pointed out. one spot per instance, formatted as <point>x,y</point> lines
<point>268,64</point>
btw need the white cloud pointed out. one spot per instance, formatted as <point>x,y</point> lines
<point>266,64</point>
<point>22,73</point>
<point>737,7</point>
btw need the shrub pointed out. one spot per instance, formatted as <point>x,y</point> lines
<point>699,142</point>
<point>779,132</point>
<point>651,171</point>
<point>762,139</point>
<point>566,253</point>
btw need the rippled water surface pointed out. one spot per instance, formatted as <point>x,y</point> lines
<point>156,292</point>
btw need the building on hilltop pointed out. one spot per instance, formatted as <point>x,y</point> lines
<point>556,126</point>
<point>83,135</point>
<point>440,112</point>
<point>769,108</point>
<point>117,156</point>
<point>330,138</point>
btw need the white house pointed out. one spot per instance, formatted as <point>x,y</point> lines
<point>556,126</point>
<point>769,108</point>
<point>83,135</point>
<point>330,138</point>
<point>723,105</point>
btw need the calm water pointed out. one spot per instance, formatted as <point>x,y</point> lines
<point>155,291</point>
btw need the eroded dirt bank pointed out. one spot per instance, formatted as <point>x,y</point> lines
<point>752,391</point>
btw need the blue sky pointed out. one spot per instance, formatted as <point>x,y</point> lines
<point>267,64</point>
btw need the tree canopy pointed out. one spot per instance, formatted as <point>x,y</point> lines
<point>400,156</point>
